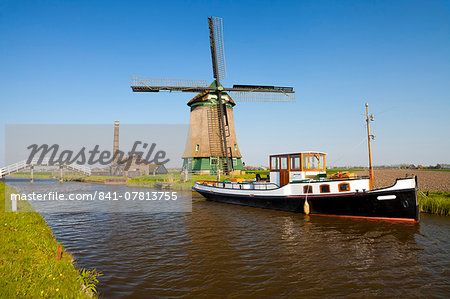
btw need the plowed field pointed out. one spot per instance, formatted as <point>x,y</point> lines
<point>427,180</point>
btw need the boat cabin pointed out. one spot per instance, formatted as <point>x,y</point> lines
<point>286,168</point>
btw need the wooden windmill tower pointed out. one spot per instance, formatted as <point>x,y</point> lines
<point>213,144</point>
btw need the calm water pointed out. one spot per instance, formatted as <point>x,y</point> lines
<point>225,250</point>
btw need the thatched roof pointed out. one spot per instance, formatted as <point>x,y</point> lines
<point>203,96</point>
<point>154,167</point>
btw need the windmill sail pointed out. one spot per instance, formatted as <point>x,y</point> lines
<point>241,96</point>
<point>219,118</point>
<point>140,83</point>
<point>217,47</point>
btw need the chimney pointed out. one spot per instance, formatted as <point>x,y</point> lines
<point>116,142</point>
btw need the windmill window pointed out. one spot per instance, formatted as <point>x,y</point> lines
<point>197,147</point>
<point>307,189</point>
<point>324,188</point>
<point>234,161</point>
<point>235,147</point>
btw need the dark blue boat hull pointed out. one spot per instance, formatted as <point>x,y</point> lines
<point>363,204</point>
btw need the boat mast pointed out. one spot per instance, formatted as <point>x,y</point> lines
<point>371,176</point>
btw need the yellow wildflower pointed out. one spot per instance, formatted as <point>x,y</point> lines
<point>50,276</point>
<point>57,290</point>
<point>53,278</point>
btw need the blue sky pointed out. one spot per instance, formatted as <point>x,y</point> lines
<point>70,62</point>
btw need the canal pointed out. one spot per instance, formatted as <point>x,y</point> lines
<point>224,250</point>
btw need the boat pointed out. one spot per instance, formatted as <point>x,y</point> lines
<point>299,183</point>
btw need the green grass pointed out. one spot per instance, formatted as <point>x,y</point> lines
<point>100,178</point>
<point>36,175</point>
<point>178,184</point>
<point>437,202</point>
<point>48,175</point>
<point>45,175</point>
<point>177,176</point>
<point>261,172</point>
<point>28,264</point>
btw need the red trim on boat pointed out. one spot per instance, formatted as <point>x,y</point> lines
<point>325,194</point>
<point>373,218</point>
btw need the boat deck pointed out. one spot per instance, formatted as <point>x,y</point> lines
<point>255,185</point>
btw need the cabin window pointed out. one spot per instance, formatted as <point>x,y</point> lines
<point>344,187</point>
<point>305,162</point>
<point>324,188</point>
<point>322,162</point>
<point>307,189</point>
<point>313,162</point>
<point>197,147</point>
<point>284,162</point>
<point>274,163</point>
<point>295,162</point>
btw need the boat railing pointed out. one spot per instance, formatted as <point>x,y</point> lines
<point>240,185</point>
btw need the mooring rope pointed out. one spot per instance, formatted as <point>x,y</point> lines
<point>423,194</point>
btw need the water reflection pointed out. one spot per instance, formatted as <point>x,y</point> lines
<point>52,197</point>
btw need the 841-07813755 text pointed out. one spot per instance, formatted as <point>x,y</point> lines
<point>135,195</point>
<point>97,195</point>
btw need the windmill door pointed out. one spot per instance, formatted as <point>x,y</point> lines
<point>284,171</point>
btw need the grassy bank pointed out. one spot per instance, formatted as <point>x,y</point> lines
<point>28,257</point>
<point>37,175</point>
<point>436,202</point>
<point>176,180</point>
<point>48,175</point>
<point>426,169</point>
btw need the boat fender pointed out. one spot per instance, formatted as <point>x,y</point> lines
<point>306,207</point>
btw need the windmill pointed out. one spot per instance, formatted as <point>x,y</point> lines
<point>213,144</point>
